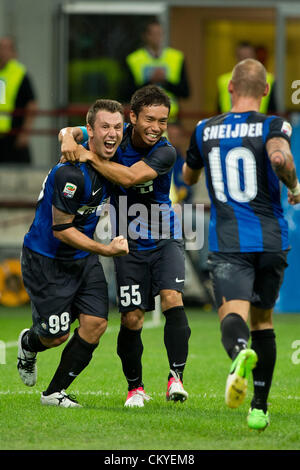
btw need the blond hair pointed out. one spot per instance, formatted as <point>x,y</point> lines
<point>249,78</point>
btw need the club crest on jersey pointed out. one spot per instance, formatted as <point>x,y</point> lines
<point>69,190</point>
<point>286,128</point>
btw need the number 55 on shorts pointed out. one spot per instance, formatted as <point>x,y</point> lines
<point>130,295</point>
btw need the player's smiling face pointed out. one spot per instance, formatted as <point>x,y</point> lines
<point>149,125</point>
<point>107,133</point>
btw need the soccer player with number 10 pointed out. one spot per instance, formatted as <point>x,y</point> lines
<point>246,155</point>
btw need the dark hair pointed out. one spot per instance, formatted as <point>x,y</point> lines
<point>111,106</point>
<point>149,95</point>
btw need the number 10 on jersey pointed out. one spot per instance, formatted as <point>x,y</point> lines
<point>239,166</point>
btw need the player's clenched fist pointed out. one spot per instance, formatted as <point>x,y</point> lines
<point>118,246</point>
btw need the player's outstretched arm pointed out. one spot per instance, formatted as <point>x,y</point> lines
<point>67,233</point>
<point>283,164</point>
<point>119,174</point>
<point>124,176</point>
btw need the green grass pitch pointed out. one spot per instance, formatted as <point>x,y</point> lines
<point>201,423</point>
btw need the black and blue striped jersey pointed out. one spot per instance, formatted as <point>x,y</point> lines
<point>74,189</point>
<point>143,213</point>
<point>245,193</point>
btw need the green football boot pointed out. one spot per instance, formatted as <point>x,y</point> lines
<point>237,381</point>
<point>257,419</point>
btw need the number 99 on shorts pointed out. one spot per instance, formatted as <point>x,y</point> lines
<point>59,323</point>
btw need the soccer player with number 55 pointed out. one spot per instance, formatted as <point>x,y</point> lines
<point>246,155</point>
<point>141,174</point>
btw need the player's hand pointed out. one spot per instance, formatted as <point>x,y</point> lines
<point>293,199</point>
<point>82,154</point>
<point>69,149</point>
<point>118,246</point>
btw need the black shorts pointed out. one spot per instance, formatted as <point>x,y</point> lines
<point>60,290</point>
<point>141,275</point>
<point>256,277</point>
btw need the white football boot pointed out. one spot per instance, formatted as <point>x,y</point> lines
<point>26,363</point>
<point>60,399</point>
<point>136,398</point>
<point>175,390</point>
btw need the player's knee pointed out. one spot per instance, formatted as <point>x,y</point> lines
<point>98,328</point>
<point>54,342</point>
<point>133,320</point>
<point>170,299</point>
<point>92,328</point>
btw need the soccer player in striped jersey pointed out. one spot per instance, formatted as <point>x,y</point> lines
<point>246,155</point>
<point>60,265</point>
<point>155,264</point>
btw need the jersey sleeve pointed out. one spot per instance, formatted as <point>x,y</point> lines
<point>162,159</point>
<point>85,134</point>
<point>193,157</point>
<point>68,189</point>
<point>279,127</point>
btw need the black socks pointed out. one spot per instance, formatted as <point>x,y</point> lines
<point>130,349</point>
<point>176,337</point>
<point>75,357</point>
<point>31,342</point>
<point>235,334</point>
<point>264,344</point>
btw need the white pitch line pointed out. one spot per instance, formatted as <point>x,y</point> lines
<point>208,396</point>
<point>110,329</point>
<point>11,344</point>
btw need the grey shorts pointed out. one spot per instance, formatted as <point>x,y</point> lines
<point>60,290</point>
<point>256,277</point>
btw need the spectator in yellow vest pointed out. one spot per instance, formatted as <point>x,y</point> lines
<point>245,50</point>
<point>162,66</point>
<point>17,96</point>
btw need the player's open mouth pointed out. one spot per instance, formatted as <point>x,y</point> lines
<point>110,144</point>
<point>152,137</point>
